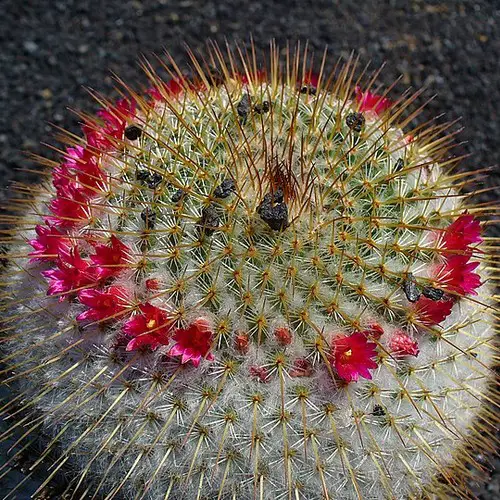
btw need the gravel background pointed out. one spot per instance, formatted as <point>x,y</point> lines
<point>51,49</point>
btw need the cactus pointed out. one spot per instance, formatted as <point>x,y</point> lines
<point>250,283</point>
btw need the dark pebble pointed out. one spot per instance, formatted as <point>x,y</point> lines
<point>177,196</point>
<point>355,121</point>
<point>133,132</point>
<point>273,211</point>
<point>155,179</point>
<point>148,215</point>
<point>308,89</point>
<point>432,293</point>
<point>209,220</point>
<point>262,108</point>
<point>410,288</point>
<point>243,107</point>
<point>224,189</point>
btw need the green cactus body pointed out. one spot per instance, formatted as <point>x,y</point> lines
<point>274,240</point>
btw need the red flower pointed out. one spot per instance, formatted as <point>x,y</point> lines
<point>72,274</point>
<point>401,344</point>
<point>70,207</point>
<point>150,328</point>
<point>353,356</point>
<point>241,342</point>
<point>152,284</point>
<point>283,335</point>
<point>301,368</point>
<point>371,102</point>
<point>103,305</point>
<point>193,343</point>
<point>457,275</point>
<point>48,243</point>
<point>260,373</point>
<point>110,259</point>
<point>373,330</point>
<point>432,312</point>
<point>463,232</point>
<point>172,88</point>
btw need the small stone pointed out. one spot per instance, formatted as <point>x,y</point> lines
<point>177,196</point>
<point>243,107</point>
<point>355,121</point>
<point>209,220</point>
<point>148,215</point>
<point>224,189</point>
<point>142,176</point>
<point>378,411</point>
<point>410,288</point>
<point>308,89</point>
<point>262,108</point>
<point>399,165</point>
<point>432,293</point>
<point>155,179</point>
<point>273,211</point>
<point>133,132</point>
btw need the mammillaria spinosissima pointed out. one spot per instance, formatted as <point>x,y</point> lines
<point>252,283</point>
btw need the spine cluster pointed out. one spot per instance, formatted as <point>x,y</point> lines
<point>251,284</point>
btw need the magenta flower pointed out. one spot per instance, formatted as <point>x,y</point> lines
<point>70,208</point>
<point>431,312</point>
<point>193,343</point>
<point>373,330</point>
<point>152,328</point>
<point>115,119</point>
<point>367,101</point>
<point>48,243</point>
<point>80,170</point>
<point>103,305</point>
<point>463,232</point>
<point>457,275</point>
<point>110,259</point>
<point>72,273</point>
<point>353,356</point>
<point>401,344</point>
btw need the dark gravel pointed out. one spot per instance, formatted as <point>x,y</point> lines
<point>51,49</point>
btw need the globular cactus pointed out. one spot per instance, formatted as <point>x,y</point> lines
<point>255,282</point>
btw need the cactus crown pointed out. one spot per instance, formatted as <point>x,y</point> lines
<point>216,268</point>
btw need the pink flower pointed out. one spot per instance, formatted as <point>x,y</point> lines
<point>81,170</point>
<point>103,305</point>
<point>401,344</point>
<point>368,101</point>
<point>431,312</point>
<point>70,208</point>
<point>193,343</point>
<point>283,335</point>
<point>353,356</point>
<point>242,342</point>
<point>457,275</point>
<point>463,232</point>
<point>72,274</point>
<point>48,243</point>
<point>152,327</point>
<point>110,260</point>
<point>115,121</point>
<point>260,373</point>
<point>301,368</point>
<point>373,330</point>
